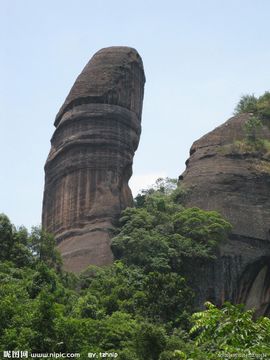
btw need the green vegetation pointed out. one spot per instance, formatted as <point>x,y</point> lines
<point>232,330</point>
<point>252,127</point>
<point>139,307</point>
<point>260,110</point>
<point>259,149</point>
<point>254,141</point>
<point>161,235</point>
<point>259,107</point>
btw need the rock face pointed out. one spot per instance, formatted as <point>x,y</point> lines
<point>226,174</point>
<point>90,161</point>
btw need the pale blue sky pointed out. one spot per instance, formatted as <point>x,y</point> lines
<point>199,58</point>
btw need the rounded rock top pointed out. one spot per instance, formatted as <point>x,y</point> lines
<point>114,75</point>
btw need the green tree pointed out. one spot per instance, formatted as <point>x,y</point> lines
<point>45,315</point>
<point>16,308</point>
<point>202,226</point>
<point>115,333</point>
<point>6,237</point>
<point>166,299</point>
<point>138,307</point>
<point>263,106</point>
<point>162,186</point>
<point>43,276</point>
<point>158,237</point>
<point>25,249</point>
<point>161,298</point>
<point>88,306</point>
<point>150,341</point>
<point>14,243</point>
<point>252,127</point>
<point>44,249</point>
<point>231,329</point>
<point>260,106</point>
<point>246,104</point>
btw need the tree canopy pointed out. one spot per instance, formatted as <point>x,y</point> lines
<point>140,307</point>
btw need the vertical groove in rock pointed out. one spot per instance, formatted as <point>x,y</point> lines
<point>90,161</point>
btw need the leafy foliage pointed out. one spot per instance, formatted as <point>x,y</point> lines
<point>15,245</point>
<point>263,105</point>
<point>232,330</point>
<point>246,104</point>
<point>139,307</point>
<point>259,110</point>
<point>161,298</point>
<point>251,104</point>
<point>25,249</point>
<point>162,186</point>
<point>252,127</point>
<point>160,234</point>
<point>259,107</point>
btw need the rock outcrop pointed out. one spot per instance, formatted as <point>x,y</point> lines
<point>90,161</point>
<point>228,174</point>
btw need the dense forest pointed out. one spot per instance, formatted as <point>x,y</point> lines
<point>140,307</point>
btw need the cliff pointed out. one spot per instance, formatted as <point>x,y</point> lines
<point>90,162</point>
<point>228,173</point>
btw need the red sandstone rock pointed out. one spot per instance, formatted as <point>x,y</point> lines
<point>90,161</point>
<point>225,175</point>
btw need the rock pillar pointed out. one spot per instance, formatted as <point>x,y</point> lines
<point>90,162</point>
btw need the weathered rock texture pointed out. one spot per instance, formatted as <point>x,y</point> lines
<point>226,175</point>
<point>90,161</point>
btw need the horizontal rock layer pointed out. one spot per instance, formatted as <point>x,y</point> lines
<point>90,161</point>
<point>115,76</point>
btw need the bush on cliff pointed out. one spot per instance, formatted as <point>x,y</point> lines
<point>259,116</point>
<point>259,106</point>
<point>246,104</point>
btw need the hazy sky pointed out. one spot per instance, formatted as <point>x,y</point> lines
<point>199,58</point>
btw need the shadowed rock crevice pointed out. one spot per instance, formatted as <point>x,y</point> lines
<point>90,162</point>
<point>254,286</point>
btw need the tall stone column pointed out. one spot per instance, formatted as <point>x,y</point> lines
<point>90,162</point>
